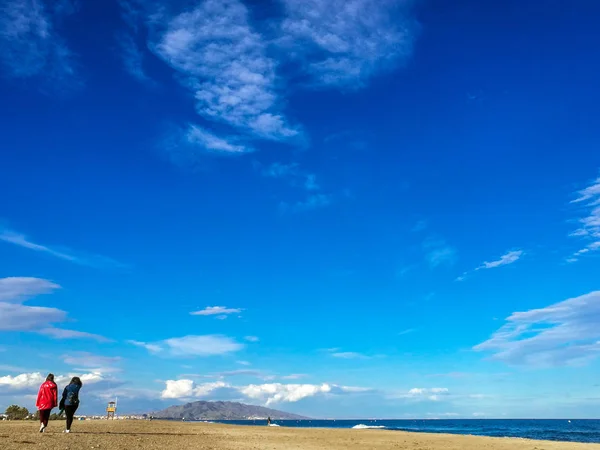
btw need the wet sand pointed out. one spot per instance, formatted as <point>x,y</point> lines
<point>132,434</point>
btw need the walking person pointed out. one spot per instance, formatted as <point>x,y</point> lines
<point>47,399</point>
<point>70,401</point>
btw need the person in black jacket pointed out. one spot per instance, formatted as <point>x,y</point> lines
<point>70,401</point>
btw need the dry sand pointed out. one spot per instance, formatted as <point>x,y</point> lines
<point>131,434</point>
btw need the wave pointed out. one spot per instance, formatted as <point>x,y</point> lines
<point>273,425</point>
<point>361,426</point>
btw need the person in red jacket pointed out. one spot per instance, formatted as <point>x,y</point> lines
<point>46,400</point>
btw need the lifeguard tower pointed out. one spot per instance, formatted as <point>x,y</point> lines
<point>111,409</point>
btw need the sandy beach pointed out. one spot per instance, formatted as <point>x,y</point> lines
<point>124,434</point>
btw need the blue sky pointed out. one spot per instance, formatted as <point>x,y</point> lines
<point>337,208</point>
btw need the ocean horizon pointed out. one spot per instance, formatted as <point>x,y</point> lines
<point>567,430</point>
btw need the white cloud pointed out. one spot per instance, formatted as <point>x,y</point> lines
<point>17,289</point>
<point>30,44</point>
<point>345,42</point>
<point>202,345</point>
<point>152,348</point>
<point>30,382</point>
<point>21,240</point>
<point>589,229</point>
<point>560,334</point>
<point>294,376</point>
<point>190,346</point>
<point>252,338</point>
<point>267,394</point>
<point>61,333</point>
<point>216,311</point>
<point>276,392</point>
<point>15,316</point>
<point>508,258</point>
<point>349,355</point>
<point>188,389</point>
<point>423,394</point>
<point>224,62</point>
<point>24,381</point>
<point>438,253</point>
<point>210,142</point>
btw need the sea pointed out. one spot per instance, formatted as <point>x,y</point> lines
<point>576,430</point>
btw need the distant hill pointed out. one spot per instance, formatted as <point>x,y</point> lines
<point>222,411</point>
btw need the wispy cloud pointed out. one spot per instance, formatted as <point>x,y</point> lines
<point>61,333</point>
<point>152,348</point>
<point>407,331</point>
<point>297,178</point>
<point>422,394</point>
<point>224,63</point>
<point>292,172</point>
<point>439,253</point>
<point>97,261</point>
<point>560,334</point>
<point>421,225</point>
<point>589,225</point>
<point>216,311</point>
<point>93,363</point>
<point>212,143</point>
<point>188,146</point>
<point>349,355</point>
<point>30,43</point>
<point>508,258</point>
<point>133,59</point>
<point>341,45</point>
<point>313,201</point>
<point>192,346</point>
<point>294,376</point>
<point>15,316</point>
<point>252,338</point>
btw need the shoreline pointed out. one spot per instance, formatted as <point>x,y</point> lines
<point>168,434</point>
<point>364,424</point>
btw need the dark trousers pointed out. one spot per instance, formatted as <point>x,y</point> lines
<point>70,413</point>
<point>44,416</point>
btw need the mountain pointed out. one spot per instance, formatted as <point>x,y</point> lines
<point>222,411</point>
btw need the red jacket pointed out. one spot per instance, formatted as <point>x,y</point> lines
<point>47,396</point>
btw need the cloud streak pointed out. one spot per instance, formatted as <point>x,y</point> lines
<point>192,346</point>
<point>216,311</point>
<point>564,333</point>
<point>439,253</point>
<point>97,261</point>
<point>589,225</point>
<point>15,316</point>
<point>508,258</point>
<point>133,59</point>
